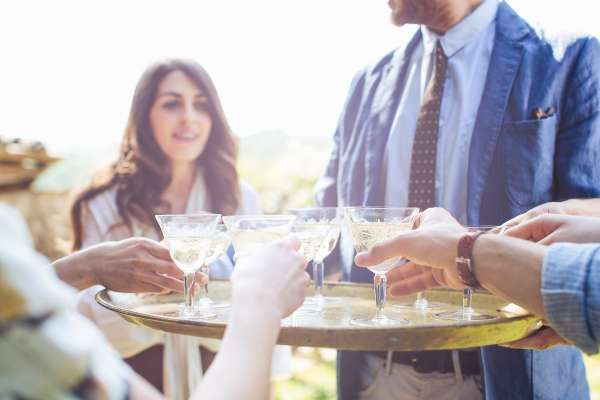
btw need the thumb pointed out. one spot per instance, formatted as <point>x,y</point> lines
<point>400,246</point>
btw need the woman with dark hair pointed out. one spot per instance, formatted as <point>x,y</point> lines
<point>178,156</point>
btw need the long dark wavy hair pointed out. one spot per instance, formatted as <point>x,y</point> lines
<point>141,172</point>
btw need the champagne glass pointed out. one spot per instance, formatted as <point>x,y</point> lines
<point>318,229</point>
<point>188,238</point>
<point>467,312</point>
<point>371,226</point>
<point>251,233</point>
<point>218,246</point>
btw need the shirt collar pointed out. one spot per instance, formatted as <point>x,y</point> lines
<point>462,33</point>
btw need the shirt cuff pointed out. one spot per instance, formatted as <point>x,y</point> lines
<point>565,286</point>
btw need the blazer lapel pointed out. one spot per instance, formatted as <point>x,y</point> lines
<point>377,129</point>
<point>504,65</point>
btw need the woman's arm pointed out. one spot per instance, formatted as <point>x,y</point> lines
<point>265,288</point>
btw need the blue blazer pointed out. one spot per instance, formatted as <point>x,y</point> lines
<point>515,163</point>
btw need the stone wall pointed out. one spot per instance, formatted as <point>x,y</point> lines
<point>47,215</point>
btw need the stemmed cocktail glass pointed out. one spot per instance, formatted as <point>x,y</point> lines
<point>250,233</point>
<point>371,226</point>
<point>188,238</point>
<point>318,229</point>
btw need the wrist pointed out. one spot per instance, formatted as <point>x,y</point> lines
<point>465,263</point>
<point>251,317</point>
<point>257,303</point>
<point>74,271</point>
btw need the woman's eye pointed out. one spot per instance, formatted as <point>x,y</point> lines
<point>201,106</point>
<point>171,105</point>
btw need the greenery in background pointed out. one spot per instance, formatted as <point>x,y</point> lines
<point>283,169</point>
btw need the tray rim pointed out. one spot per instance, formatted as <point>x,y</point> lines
<point>389,338</point>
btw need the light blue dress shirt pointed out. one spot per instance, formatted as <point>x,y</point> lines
<point>571,293</point>
<point>468,46</point>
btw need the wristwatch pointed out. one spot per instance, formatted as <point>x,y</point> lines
<point>464,260</point>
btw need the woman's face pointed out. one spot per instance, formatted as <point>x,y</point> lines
<point>179,118</point>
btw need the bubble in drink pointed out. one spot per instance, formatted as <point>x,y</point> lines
<point>367,235</point>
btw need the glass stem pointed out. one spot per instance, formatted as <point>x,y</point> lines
<point>421,301</point>
<point>379,282</point>
<point>319,278</point>
<point>188,293</point>
<point>203,297</point>
<point>467,300</point>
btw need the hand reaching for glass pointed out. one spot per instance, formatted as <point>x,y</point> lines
<point>134,265</point>
<point>553,228</point>
<point>273,278</point>
<point>431,249</point>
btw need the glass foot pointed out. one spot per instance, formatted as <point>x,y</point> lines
<point>196,314</point>
<point>307,310</point>
<point>207,303</point>
<point>464,315</point>
<point>382,321</point>
<point>323,301</point>
<point>419,305</point>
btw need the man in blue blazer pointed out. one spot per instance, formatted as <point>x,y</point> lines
<point>481,115</point>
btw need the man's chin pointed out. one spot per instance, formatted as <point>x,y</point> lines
<point>398,20</point>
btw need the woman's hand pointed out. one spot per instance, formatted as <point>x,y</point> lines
<point>274,278</point>
<point>131,265</point>
<point>553,228</point>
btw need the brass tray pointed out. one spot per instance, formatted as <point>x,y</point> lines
<point>332,327</point>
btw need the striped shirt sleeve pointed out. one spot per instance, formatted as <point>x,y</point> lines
<point>571,293</point>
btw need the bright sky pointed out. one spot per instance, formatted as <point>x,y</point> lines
<point>69,68</point>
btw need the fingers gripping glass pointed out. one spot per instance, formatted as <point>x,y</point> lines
<point>371,226</point>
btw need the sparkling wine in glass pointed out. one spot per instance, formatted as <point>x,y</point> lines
<point>467,312</point>
<point>371,226</point>
<point>318,229</point>
<point>251,233</point>
<point>219,244</point>
<point>188,238</point>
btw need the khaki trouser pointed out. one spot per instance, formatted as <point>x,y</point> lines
<point>403,382</point>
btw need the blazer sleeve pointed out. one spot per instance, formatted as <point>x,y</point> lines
<point>578,139</point>
<point>326,189</point>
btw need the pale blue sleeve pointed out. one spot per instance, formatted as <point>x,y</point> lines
<point>221,268</point>
<point>571,293</point>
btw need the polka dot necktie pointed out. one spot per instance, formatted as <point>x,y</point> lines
<point>422,166</point>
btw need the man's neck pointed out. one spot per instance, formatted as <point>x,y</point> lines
<point>452,15</point>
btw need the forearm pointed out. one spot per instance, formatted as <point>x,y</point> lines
<point>511,268</point>
<point>75,273</point>
<point>242,367</point>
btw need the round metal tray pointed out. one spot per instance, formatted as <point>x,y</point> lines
<point>332,327</point>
